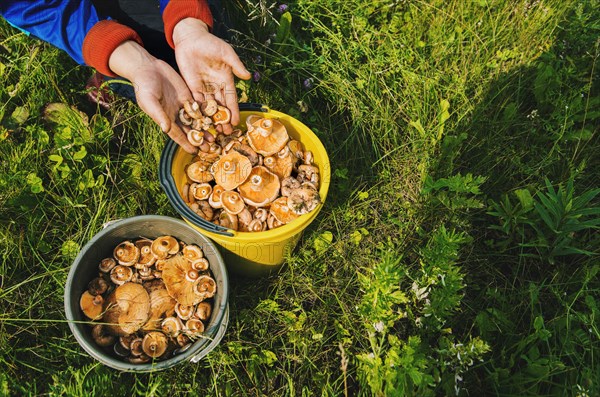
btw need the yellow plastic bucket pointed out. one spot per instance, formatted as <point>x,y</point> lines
<point>248,253</point>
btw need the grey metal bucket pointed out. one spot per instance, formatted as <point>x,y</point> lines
<point>85,268</point>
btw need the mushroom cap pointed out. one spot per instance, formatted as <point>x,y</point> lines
<point>184,312</point>
<point>127,309</point>
<point>135,347</point>
<point>198,172</point>
<point>209,107</point>
<point>203,311</point>
<point>172,326</point>
<point>192,252</point>
<point>121,274</point>
<point>101,336</point>
<point>97,286</point>
<point>215,198</point>
<point>281,164</point>
<point>256,225</point>
<point>205,286</point>
<point>91,305</point>
<point>231,170</point>
<point>161,304</point>
<point>261,188</point>
<point>192,109</point>
<point>202,191</point>
<point>200,264</point>
<point>164,246</point>
<point>195,137</point>
<point>175,275</point>
<point>221,116</point>
<point>107,264</point>
<point>194,327</point>
<point>304,199</point>
<point>146,257</point>
<point>126,253</point>
<point>267,136</point>
<point>280,210</point>
<point>155,344</point>
<point>232,202</point>
<point>228,220</point>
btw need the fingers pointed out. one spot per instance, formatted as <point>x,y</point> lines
<point>237,67</point>
<point>154,109</point>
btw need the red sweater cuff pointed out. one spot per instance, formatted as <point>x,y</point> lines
<point>102,39</point>
<point>177,10</point>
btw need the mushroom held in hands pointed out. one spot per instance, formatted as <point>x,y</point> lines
<point>221,116</point>
<point>127,309</point>
<point>195,137</point>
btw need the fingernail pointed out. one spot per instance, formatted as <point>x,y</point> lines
<point>164,127</point>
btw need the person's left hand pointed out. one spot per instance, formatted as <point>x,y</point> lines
<point>207,64</point>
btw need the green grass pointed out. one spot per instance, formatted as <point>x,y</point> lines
<point>458,248</point>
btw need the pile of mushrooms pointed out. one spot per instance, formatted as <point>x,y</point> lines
<point>248,182</point>
<point>151,299</point>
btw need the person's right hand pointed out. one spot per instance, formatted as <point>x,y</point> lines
<point>159,89</point>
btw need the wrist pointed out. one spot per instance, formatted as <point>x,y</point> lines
<point>127,58</point>
<point>188,27</point>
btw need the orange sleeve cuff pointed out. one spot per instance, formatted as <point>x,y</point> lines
<point>177,10</point>
<point>100,42</point>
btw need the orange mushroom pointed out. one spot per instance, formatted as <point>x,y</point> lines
<point>267,136</point>
<point>261,188</point>
<point>231,170</point>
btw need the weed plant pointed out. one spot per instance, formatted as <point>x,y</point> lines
<point>457,251</point>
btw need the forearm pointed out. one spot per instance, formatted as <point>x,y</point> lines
<point>127,58</point>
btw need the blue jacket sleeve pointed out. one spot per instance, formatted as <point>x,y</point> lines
<point>63,24</point>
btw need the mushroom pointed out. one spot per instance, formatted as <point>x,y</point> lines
<point>288,185</point>
<point>192,109</point>
<point>194,327</point>
<point>296,148</point>
<point>126,253</point>
<point>261,188</point>
<point>120,274</point>
<point>261,214</point>
<point>308,173</point>
<point>205,286</point>
<point>247,151</point>
<point>203,311</point>
<point>232,202</point>
<point>141,359</point>
<point>207,157</point>
<point>125,341</point>
<point>184,118</point>
<point>107,264</point>
<point>257,226</point>
<point>185,312</point>
<point>282,163</point>
<point>97,286</point>
<point>164,246</point>
<point>267,136</point>
<point>192,253</point>
<point>155,344</point>
<point>91,305</point>
<point>175,275</point>
<point>221,116</point>
<point>228,220</point>
<point>136,346</point>
<point>147,258</point>
<point>231,170</point>
<point>120,350</point>
<point>244,219</point>
<point>183,340</point>
<point>127,309</point>
<point>303,199</point>
<point>201,191</point>
<point>215,198</point>
<point>101,336</point>
<point>280,210</point>
<point>209,107</point>
<point>195,137</point>
<point>203,123</point>
<point>200,264</point>
<point>204,210</point>
<point>272,222</point>
<point>172,326</point>
<point>198,172</point>
<point>161,304</point>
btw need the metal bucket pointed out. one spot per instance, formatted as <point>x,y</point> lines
<point>85,268</point>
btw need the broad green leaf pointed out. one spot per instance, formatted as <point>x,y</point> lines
<point>20,114</point>
<point>323,241</point>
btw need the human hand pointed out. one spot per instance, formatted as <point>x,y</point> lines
<point>159,89</point>
<point>207,64</point>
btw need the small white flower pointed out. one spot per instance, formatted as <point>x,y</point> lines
<point>379,326</point>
